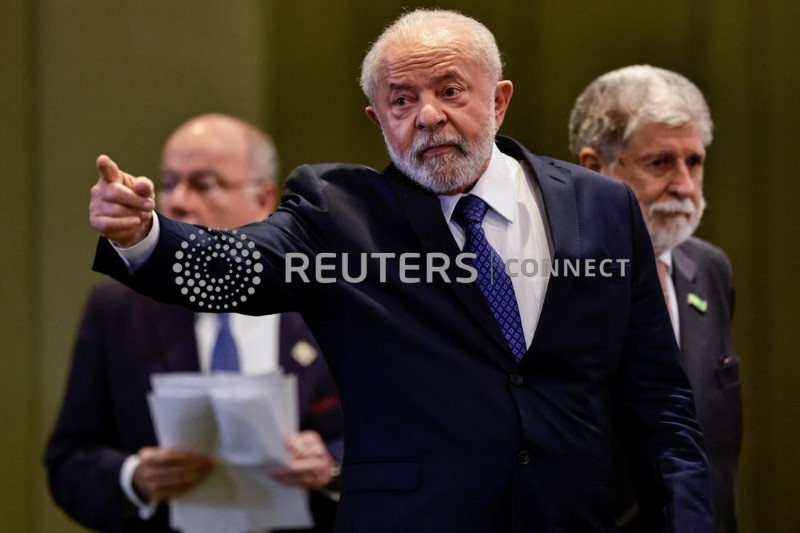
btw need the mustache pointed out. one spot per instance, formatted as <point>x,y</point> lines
<point>427,140</point>
<point>673,207</point>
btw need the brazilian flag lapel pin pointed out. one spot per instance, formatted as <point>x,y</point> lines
<point>697,302</point>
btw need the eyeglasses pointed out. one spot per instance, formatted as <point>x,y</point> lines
<point>204,183</point>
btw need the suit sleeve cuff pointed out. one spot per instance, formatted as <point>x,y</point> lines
<point>146,510</point>
<point>138,254</point>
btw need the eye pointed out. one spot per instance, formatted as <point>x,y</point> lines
<point>694,161</point>
<point>203,185</point>
<point>662,163</point>
<point>400,101</point>
<point>452,91</point>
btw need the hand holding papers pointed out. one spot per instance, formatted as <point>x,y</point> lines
<point>242,422</point>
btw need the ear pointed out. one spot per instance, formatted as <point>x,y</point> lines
<point>589,158</point>
<point>267,197</point>
<point>373,116</point>
<point>502,96</point>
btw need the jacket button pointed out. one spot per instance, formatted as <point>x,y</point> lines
<point>524,457</point>
<point>516,379</point>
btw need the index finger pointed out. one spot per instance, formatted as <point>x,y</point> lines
<point>109,171</point>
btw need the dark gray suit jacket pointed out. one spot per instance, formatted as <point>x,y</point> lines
<point>702,269</point>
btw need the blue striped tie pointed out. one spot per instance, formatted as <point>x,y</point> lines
<point>494,282</point>
<point>225,356</point>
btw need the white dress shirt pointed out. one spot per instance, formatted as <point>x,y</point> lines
<point>256,341</point>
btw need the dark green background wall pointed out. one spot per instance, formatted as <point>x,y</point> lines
<point>81,78</point>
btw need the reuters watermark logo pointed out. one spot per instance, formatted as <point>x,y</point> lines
<point>217,271</point>
<point>412,267</point>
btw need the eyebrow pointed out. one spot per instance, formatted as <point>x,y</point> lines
<point>449,74</point>
<point>669,153</point>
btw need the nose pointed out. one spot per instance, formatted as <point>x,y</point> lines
<point>684,182</point>
<point>430,116</point>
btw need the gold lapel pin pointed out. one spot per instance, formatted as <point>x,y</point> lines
<point>303,353</point>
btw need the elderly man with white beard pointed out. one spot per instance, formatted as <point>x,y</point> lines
<point>649,128</point>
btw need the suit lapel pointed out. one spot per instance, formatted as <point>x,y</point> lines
<point>693,337</point>
<point>175,327</point>
<point>423,211</point>
<point>561,217</point>
<point>286,338</point>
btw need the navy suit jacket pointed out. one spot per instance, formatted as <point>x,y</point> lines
<point>104,418</point>
<point>445,430</point>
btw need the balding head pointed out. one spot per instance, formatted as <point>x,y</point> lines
<point>216,132</point>
<point>218,171</point>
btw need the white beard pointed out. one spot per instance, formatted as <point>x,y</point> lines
<point>672,222</point>
<point>450,172</point>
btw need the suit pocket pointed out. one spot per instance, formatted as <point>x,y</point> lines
<point>382,474</point>
<point>727,374</point>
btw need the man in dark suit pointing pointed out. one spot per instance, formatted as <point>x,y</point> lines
<point>104,467</point>
<point>479,387</point>
<point>649,128</point>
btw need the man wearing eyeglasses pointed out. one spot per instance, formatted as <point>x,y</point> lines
<point>104,467</point>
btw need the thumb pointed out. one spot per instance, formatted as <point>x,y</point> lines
<point>109,171</point>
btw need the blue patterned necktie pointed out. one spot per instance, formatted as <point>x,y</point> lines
<point>225,356</point>
<point>494,282</point>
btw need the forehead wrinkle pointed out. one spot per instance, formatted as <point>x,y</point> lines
<point>449,74</point>
<point>423,53</point>
<point>410,71</point>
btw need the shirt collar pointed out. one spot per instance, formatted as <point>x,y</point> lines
<point>496,187</point>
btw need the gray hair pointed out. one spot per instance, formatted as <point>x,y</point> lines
<point>263,155</point>
<point>619,103</point>
<point>425,25</point>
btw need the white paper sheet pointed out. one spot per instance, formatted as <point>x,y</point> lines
<point>242,423</point>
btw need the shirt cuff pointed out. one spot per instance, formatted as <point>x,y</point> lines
<point>146,510</point>
<point>139,253</point>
